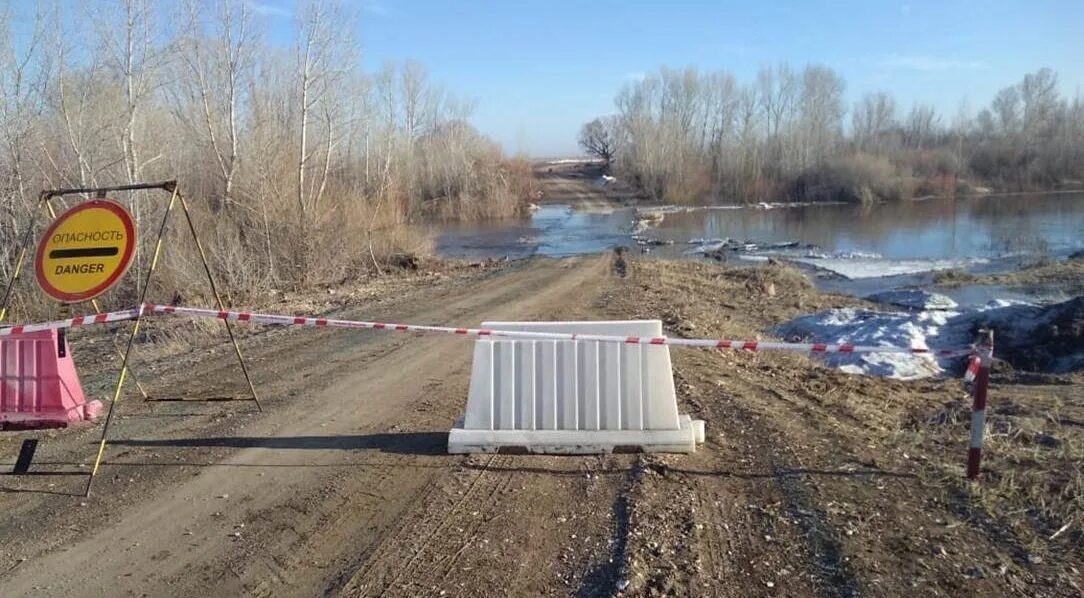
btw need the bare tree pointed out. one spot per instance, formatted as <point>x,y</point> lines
<point>412,79</point>
<point>599,138</point>
<point>749,155</point>
<point>23,76</point>
<point>782,135</point>
<point>1006,106</point>
<point>872,119</point>
<point>923,124</point>
<point>217,59</point>
<point>1040,103</point>
<point>777,90</point>
<point>324,54</point>
<point>136,57</point>
<point>821,112</point>
<point>86,111</point>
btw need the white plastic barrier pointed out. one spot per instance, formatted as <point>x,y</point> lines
<point>574,396</point>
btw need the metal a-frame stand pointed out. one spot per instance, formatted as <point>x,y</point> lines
<point>175,196</point>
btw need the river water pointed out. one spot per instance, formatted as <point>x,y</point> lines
<point>864,248</point>
<point>982,227</point>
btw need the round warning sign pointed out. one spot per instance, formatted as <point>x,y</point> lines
<point>85,251</point>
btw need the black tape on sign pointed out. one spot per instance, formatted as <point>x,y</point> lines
<point>26,455</point>
<point>61,337</point>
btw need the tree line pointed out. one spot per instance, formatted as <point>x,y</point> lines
<point>692,136</point>
<point>302,166</point>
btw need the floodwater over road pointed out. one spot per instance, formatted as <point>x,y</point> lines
<point>554,230</point>
<point>979,228</point>
<point>856,249</point>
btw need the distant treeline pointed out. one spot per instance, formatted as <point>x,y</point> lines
<point>304,167</point>
<point>689,136</point>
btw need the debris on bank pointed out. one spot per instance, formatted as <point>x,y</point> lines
<point>605,180</point>
<point>1036,338</point>
<point>718,248</point>
<point>651,241</point>
<point>914,299</point>
<point>646,220</point>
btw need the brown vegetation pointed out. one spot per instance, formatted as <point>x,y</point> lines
<point>688,136</point>
<point>1066,276</point>
<point>301,168</point>
<point>915,523</point>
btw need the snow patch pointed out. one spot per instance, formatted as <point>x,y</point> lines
<point>855,268</point>
<point>843,255</point>
<point>869,327</point>
<point>930,329</point>
<point>754,258</point>
<point>574,161</point>
<point>671,209</point>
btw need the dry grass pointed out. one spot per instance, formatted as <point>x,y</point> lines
<point>954,276</point>
<point>1033,469</point>
<point>1068,276</point>
<point>1033,479</point>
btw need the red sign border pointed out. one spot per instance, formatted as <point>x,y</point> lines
<point>126,259</point>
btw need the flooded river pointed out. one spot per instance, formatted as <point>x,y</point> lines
<point>853,249</point>
<point>982,228</point>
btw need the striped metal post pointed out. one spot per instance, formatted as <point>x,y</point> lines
<point>979,387</point>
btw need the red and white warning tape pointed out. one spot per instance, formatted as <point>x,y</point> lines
<point>747,345</point>
<point>978,369</point>
<point>973,366</point>
<point>104,318</point>
<point>282,320</point>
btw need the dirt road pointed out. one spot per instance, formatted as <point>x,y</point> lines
<point>348,456</point>
<point>811,482</point>
<point>579,185</point>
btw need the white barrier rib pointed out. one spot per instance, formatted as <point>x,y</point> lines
<point>113,316</point>
<point>747,345</point>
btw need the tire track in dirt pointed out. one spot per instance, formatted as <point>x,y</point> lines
<point>319,352</point>
<point>823,551</point>
<point>538,287</point>
<point>580,193</point>
<point>316,356</point>
<point>613,567</point>
<point>826,559</point>
<point>549,526</point>
<point>732,519</point>
<point>443,536</point>
<point>716,522</point>
<point>393,561</point>
<point>268,500</point>
<point>829,566</point>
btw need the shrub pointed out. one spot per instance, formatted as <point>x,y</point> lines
<point>857,178</point>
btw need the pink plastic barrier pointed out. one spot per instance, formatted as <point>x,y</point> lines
<point>37,386</point>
